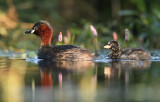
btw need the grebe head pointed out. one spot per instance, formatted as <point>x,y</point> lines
<point>113,45</point>
<point>44,30</point>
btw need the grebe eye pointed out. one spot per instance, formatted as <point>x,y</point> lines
<point>35,28</point>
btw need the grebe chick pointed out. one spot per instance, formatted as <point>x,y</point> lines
<point>128,54</point>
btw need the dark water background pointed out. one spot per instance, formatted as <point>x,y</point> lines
<point>104,80</point>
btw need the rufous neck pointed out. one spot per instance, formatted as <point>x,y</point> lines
<point>45,42</point>
<point>46,38</point>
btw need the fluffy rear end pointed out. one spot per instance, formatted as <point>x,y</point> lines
<point>135,54</point>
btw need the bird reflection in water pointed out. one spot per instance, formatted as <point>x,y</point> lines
<point>113,70</point>
<point>62,68</point>
<point>63,71</point>
<point>116,69</point>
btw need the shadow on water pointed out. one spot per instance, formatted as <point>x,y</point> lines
<point>85,81</point>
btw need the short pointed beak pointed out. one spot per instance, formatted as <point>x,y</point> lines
<point>31,31</point>
<point>107,46</point>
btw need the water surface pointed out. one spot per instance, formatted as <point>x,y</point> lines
<point>33,80</point>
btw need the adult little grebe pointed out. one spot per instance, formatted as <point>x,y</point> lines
<point>60,52</point>
<point>129,53</point>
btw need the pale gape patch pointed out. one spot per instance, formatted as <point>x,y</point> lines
<point>33,31</point>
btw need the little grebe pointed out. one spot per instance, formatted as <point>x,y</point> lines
<point>129,53</point>
<point>60,52</point>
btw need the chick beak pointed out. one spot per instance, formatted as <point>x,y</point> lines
<point>31,31</point>
<point>107,46</point>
